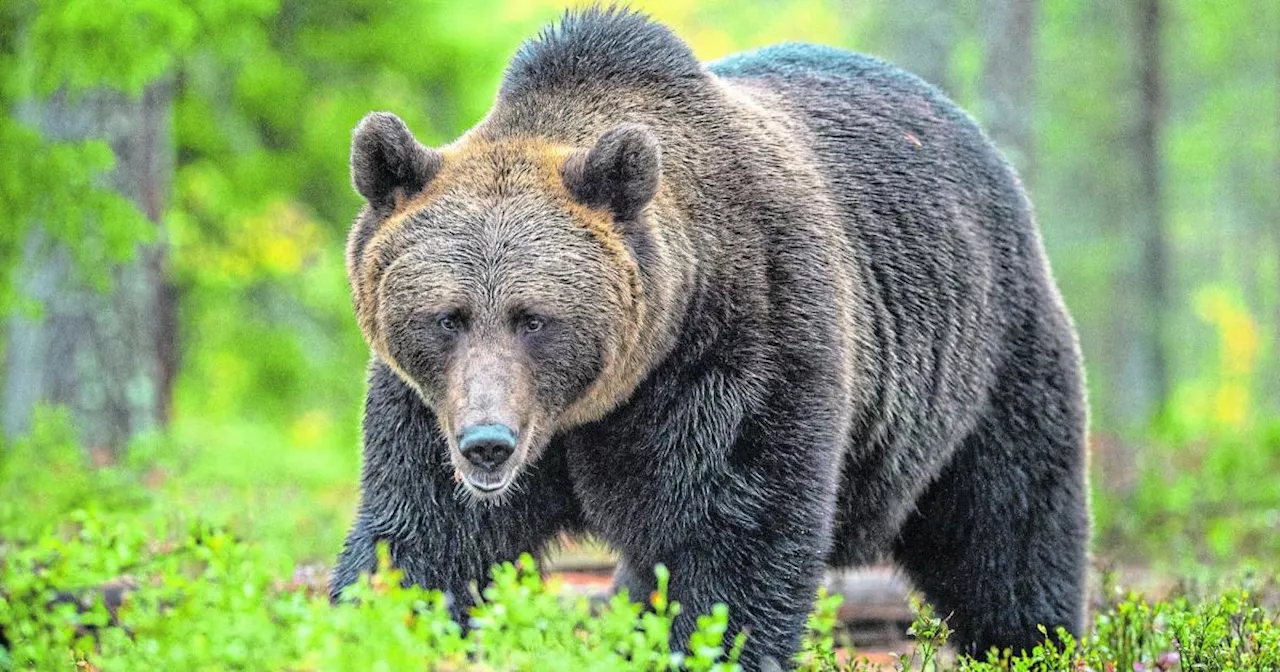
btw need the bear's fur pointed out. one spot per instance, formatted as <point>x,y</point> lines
<point>751,319</point>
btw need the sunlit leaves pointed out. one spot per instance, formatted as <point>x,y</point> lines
<point>77,49</point>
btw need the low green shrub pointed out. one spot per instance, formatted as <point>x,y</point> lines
<point>1232,631</point>
<point>205,600</point>
<point>202,599</point>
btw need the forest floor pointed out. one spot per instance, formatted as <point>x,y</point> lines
<point>874,614</point>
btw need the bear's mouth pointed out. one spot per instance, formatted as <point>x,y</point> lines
<point>487,484</point>
<point>490,483</point>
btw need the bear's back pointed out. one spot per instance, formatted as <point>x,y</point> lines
<point>886,139</point>
<point>934,216</point>
<point>793,58</point>
<point>816,73</point>
<point>921,187</point>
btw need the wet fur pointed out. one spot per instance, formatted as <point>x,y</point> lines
<point>842,343</point>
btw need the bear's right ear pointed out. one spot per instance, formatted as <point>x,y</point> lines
<point>619,173</point>
<point>387,162</point>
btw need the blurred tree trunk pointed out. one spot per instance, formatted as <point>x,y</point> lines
<point>108,356</point>
<point>1153,281</point>
<point>1008,79</point>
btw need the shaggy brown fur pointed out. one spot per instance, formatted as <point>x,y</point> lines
<point>749,320</point>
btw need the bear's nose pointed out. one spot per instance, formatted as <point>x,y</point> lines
<point>487,446</point>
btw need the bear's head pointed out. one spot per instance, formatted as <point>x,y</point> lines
<point>501,280</point>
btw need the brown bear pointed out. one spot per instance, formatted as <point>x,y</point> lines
<point>751,319</point>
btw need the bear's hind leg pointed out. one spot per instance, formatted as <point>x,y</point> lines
<point>998,544</point>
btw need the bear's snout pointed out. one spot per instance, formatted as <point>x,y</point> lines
<point>487,447</point>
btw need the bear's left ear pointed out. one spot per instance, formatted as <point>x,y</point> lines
<point>619,173</point>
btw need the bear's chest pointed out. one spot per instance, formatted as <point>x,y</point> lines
<point>653,467</point>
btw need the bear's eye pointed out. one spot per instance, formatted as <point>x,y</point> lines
<point>531,323</point>
<point>448,323</point>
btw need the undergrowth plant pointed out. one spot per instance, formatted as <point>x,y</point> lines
<point>205,600</point>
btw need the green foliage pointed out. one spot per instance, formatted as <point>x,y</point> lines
<point>930,633</point>
<point>204,597</point>
<point>125,44</point>
<point>205,600</point>
<point>1230,631</point>
<point>819,647</point>
<point>43,476</point>
<point>72,48</point>
<point>1194,500</point>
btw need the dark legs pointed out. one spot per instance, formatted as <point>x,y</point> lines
<point>769,592</point>
<point>998,543</point>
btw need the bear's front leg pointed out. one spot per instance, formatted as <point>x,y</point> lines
<point>754,538</point>
<point>768,585</point>
<point>438,535</point>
